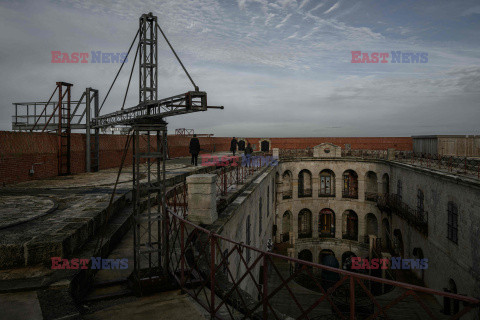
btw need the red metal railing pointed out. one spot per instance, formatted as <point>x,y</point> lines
<point>232,280</point>
<point>237,170</point>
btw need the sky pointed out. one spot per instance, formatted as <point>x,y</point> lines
<point>281,68</point>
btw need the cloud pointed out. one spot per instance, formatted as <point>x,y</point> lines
<point>334,7</point>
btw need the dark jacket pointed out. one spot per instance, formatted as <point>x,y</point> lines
<point>194,146</point>
<point>233,145</point>
<point>248,150</point>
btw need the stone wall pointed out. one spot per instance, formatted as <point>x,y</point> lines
<point>447,260</point>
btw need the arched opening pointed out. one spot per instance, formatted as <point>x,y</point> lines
<point>347,260</point>
<point>451,306</point>
<point>241,145</point>
<point>304,184</point>
<point>323,254</point>
<point>287,185</point>
<point>326,224</point>
<point>371,226</point>
<point>286,226</point>
<point>399,189</point>
<point>327,183</point>
<point>418,254</point>
<point>420,203</point>
<point>305,255</point>
<point>452,222</point>
<point>350,224</point>
<point>371,186</point>
<point>305,224</point>
<point>350,184</point>
<point>264,146</point>
<point>398,242</point>
<point>386,234</point>
<point>328,278</point>
<point>385,183</point>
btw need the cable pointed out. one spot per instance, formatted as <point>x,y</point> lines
<point>129,79</point>
<point>123,62</point>
<point>179,61</point>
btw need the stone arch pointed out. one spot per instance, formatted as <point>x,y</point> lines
<point>451,306</point>
<point>287,188</point>
<point>371,186</point>
<point>304,183</point>
<point>286,226</point>
<point>350,184</point>
<point>350,225</point>
<point>327,183</point>
<point>371,225</point>
<point>323,253</point>
<point>398,242</point>
<point>264,145</point>
<point>326,223</point>
<point>305,255</point>
<point>305,224</point>
<point>386,236</point>
<point>418,254</point>
<point>385,183</point>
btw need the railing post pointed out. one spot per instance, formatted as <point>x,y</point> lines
<point>352,298</point>
<point>212,276</point>
<point>182,254</point>
<point>265,286</point>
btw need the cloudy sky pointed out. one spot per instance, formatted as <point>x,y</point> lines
<point>280,67</point>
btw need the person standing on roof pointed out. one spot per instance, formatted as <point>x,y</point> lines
<point>233,145</point>
<point>194,149</point>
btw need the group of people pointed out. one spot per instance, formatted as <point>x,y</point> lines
<point>195,148</point>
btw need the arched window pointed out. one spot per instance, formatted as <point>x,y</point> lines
<point>304,184</point>
<point>350,223</point>
<point>287,185</point>
<point>371,186</point>
<point>452,224</point>
<point>247,237</point>
<point>268,201</point>
<point>385,183</point>
<point>371,226</point>
<point>420,203</point>
<point>326,224</point>
<point>399,189</point>
<point>350,184</point>
<point>260,217</point>
<point>286,226</point>
<point>327,184</point>
<point>305,224</point>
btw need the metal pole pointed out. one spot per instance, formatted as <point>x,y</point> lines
<point>88,164</point>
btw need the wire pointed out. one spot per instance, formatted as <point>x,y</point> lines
<point>123,62</point>
<point>129,79</point>
<point>179,61</point>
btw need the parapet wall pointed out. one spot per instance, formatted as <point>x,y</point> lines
<point>19,151</point>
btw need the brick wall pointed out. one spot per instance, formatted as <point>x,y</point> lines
<point>20,150</point>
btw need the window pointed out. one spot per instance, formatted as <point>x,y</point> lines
<point>260,217</point>
<point>420,202</point>
<point>304,184</point>
<point>305,224</point>
<point>268,201</point>
<point>326,223</point>
<point>327,183</point>
<point>452,224</point>
<point>247,238</point>
<point>399,189</point>
<point>350,184</point>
